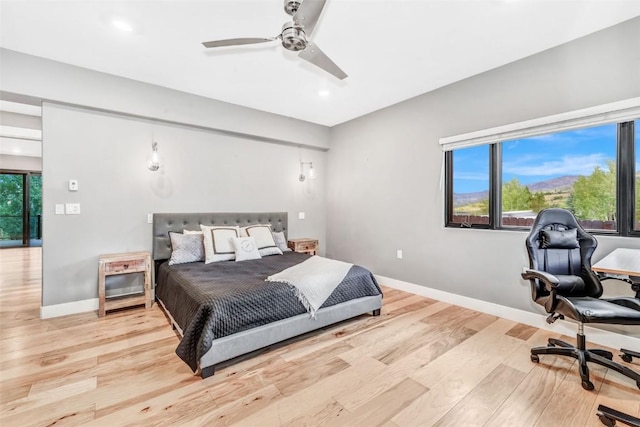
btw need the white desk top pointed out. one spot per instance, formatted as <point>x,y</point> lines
<point>620,261</point>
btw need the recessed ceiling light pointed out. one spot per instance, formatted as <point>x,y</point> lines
<point>121,25</point>
<point>324,93</point>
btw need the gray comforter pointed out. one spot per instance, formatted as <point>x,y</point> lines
<point>210,301</point>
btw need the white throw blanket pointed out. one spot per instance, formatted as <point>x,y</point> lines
<point>314,280</point>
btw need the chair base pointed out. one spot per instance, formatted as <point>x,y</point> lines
<point>583,355</point>
<point>628,355</point>
<point>609,416</point>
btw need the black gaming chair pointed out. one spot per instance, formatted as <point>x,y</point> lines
<point>562,281</point>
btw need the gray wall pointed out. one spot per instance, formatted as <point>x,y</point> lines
<point>204,168</point>
<point>385,188</point>
<point>201,172</point>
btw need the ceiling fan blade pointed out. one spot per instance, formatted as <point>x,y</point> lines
<point>314,55</point>
<point>308,14</point>
<point>237,42</point>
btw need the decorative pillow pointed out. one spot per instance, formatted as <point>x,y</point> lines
<point>281,241</point>
<point>217,243</point>
<point>245,248</point>
<point>264,239</point>
<point>192,232</point>
<point>550,239</point>
<point>186,248</point>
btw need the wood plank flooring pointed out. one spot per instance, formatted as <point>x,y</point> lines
<point>421,363</point>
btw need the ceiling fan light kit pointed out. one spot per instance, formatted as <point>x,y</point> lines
<point>294,36</point>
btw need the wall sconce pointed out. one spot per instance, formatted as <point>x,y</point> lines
<point>312,173</point>
<point>154,163</point>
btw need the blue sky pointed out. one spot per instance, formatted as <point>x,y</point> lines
<point>539,158</point>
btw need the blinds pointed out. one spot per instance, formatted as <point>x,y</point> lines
<point>621,111</point>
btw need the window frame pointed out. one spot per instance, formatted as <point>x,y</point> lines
<point>625,186</point>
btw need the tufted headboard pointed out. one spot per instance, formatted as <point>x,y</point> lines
<point>163,223</point>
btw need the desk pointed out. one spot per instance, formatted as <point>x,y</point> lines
<point>625,262</point>
<point>621,262</point>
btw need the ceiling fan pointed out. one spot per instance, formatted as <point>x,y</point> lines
<point>294,35</point>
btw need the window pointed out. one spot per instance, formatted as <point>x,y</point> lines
<point>470,201</point>
<point>592,171</point>
<point>637,176</point>
<point>574,170</point>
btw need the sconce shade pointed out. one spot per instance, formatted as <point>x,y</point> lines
<point>302,177</point>
<point>154,163</point>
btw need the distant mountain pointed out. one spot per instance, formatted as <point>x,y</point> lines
<point>562,183</point>
<point>555,184</point>
<point>461,199</point>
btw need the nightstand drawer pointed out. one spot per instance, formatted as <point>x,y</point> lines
<point>308,246</point>
<point>305,245</point>
<point>124,266</point>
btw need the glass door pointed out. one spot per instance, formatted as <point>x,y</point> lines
<point>20,209</point>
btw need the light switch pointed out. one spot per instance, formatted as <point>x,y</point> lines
<point>72,208</point>
<point>60,209</point>
<point>300,215</point>
<point>149,218</point>
<point>73,185</point>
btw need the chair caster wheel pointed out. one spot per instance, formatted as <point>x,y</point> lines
<point>626,357</point>
<point>606,421</point>
<point>587,385</point>
<point>535,358</point>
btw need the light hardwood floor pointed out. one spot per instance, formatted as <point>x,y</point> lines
<point>421,363</point>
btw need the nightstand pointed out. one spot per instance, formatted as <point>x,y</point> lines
<point>124,280</point>
<point>304,245</point>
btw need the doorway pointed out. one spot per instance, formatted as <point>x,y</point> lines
<point>20,209</point>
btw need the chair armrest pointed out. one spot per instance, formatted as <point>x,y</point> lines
<point>550,281</point>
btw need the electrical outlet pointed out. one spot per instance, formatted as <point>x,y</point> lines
<point>73,185</point>
<point>399,253</point>
<point>300,215</point>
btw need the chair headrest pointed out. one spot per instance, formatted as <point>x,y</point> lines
<point>552,239</point>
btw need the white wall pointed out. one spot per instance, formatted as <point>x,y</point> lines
<point>21,163</point>
<point>385,187</point>
<point>41,78</point>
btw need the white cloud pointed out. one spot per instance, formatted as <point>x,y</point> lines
<point>471,176</point>
<point>568,165</point>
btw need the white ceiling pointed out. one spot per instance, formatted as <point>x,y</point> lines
<point>392,50</point>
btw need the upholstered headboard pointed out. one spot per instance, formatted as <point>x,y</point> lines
<point>163,223</point>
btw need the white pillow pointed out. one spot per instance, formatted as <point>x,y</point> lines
<point>245,248</point>
<point>217,243</point>
<point>264,239</point>
<point>185,231</point>
<point>281,241</point>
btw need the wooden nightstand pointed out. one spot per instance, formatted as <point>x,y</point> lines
<point>304,245</point>
<point>112,265</point>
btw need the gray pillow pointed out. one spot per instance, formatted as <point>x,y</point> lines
<point>550,239</point>
<point>186,248</point>
<point>281,241</point>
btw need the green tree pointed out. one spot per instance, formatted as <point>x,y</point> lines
<point>594,196</point>
<point>10,206</point>
<point>538,202</point>
<point>515,196</point>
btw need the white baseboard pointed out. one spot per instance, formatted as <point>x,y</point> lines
<point>57,310</point>
<point>594,335</point>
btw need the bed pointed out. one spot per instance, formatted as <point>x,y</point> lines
<point>226,309</point>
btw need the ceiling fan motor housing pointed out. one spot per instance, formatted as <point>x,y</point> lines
<point>293,37</point>
<point>291,6</point>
